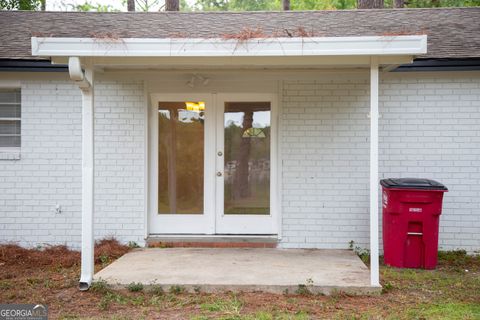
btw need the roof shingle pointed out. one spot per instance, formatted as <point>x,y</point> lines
<point>452,32</point>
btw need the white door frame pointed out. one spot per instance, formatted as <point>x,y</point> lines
<point>246,224</point>
<point>183,223</point>
<point>212,221</point>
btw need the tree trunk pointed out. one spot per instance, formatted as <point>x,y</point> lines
<point>242,171</point>
<point>131,5</point>
<point>370,4</point>
<point>286,5</point>
<point>398,3</point>
<point>172,5</point>
<point>43,5</point>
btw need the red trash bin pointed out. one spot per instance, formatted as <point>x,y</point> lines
<point>411,212</point>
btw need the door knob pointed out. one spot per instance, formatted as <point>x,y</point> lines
<point>220,153</point>
<point>219,174</point>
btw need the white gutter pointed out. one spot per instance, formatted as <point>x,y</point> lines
<point>217,47</point>
<point>84,80</point>
<point>76,73</point>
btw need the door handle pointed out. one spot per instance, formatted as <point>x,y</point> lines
<point>219,174</point>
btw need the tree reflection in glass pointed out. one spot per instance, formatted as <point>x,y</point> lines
<point>247,158</point>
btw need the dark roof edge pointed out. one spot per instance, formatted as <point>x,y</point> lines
<point>438,64</point>
<point>450,64</point>
<point>31,65</point>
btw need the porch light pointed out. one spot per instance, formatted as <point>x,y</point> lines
<point>195,106</point>
<point>253,133</point>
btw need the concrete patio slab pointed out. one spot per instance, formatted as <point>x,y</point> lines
<point>242,269</point>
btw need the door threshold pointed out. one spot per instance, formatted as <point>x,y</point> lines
<point>211,241</point>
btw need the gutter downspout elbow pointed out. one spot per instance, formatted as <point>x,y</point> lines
<point>77,74</point>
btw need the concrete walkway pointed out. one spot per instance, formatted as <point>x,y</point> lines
<point>238,269</point>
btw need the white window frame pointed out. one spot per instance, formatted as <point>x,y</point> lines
<point>9,85</point>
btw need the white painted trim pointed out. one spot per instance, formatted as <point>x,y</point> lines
<point>11,153</point>
<point>87,254</point>
<point>243,62</point>
<point>279,159</point>
<point>10,84</point>
<point>247,224</point>
<point>275,174</point>
<point>11,149</point>
<point>374,254</point>
<point>218,236</point>
<point>146,160</point>
<point>182,223</point>
<point>217,47</point>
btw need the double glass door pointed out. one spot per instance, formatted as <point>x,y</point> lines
<point>211,168</point>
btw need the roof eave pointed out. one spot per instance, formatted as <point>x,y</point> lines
<point>230,48</point>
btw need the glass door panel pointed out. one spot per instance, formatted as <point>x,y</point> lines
<point>181,157</point>
<point>247,158</point>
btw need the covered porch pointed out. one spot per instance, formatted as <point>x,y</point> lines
<point>321,270</point>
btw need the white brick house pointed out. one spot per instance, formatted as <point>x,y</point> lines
<point>312,99</point>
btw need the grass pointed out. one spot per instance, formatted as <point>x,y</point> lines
<point>452,291</point>
<point>445,311</point>
<point>231,306</point>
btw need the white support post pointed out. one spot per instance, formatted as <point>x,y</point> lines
<point>374,115</point>
<point>86,85</point>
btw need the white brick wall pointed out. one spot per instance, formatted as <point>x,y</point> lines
<point>119,160</point>
<point>49,171</point>
<point>324,146</point>
<point>430,127</point>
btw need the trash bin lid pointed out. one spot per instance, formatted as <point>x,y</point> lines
<point>412,183</point>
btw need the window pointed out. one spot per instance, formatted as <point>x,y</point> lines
<point>10,119</point>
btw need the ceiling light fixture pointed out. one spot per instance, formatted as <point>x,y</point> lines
<point>204,80</point>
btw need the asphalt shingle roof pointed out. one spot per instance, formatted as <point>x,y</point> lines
<point>452,32</point>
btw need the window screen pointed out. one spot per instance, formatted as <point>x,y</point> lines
<point>10,115</point>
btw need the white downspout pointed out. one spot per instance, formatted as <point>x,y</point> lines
<point>84,80</point>
<point>374,263</point>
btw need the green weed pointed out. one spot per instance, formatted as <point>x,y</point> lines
<point>176,289</point>
<point>303,290</point>
<point>231,306</point>
<point>133,245</point>
<point>100,286</point>
<point>135,287</point>
<point>156,290</point>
